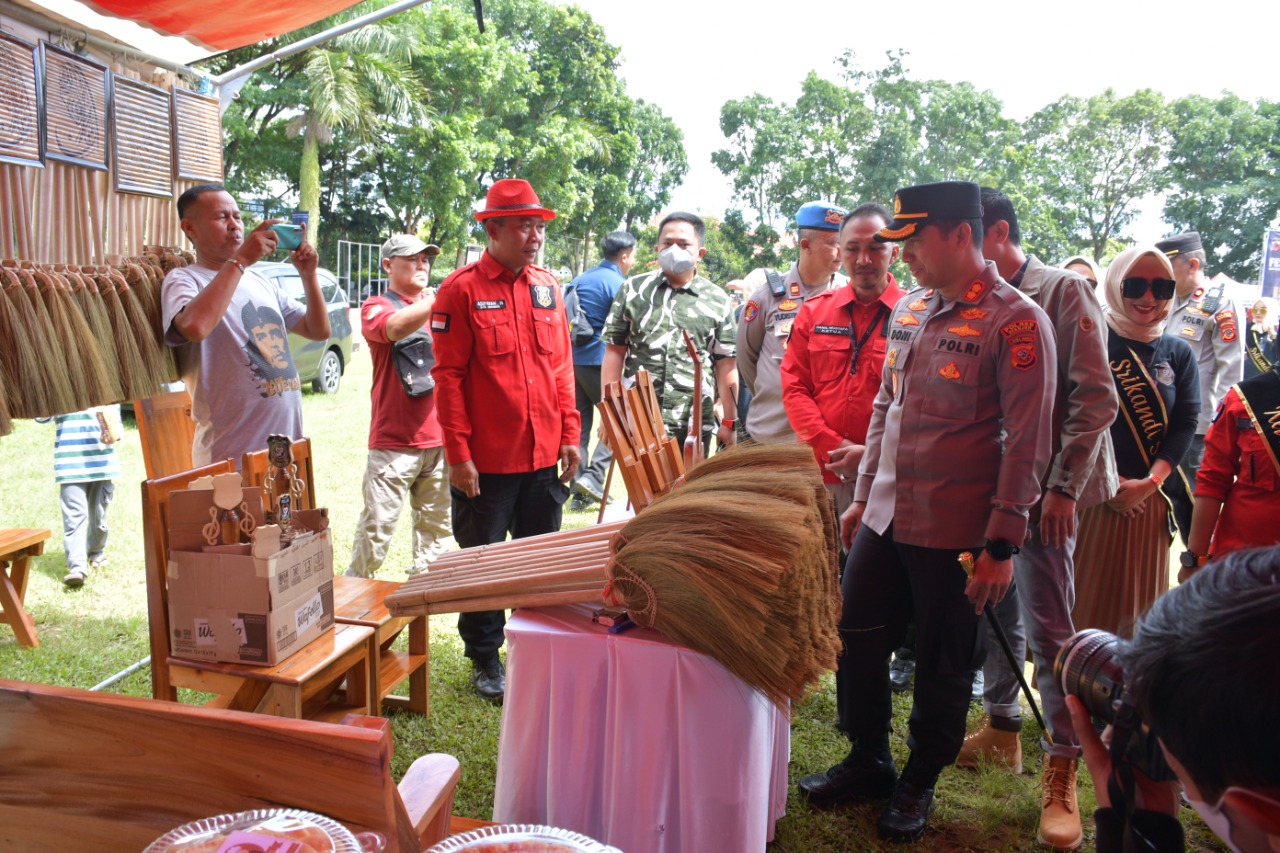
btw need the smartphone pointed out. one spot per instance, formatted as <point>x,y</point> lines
<point>290,235</point>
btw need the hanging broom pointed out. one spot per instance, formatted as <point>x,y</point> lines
<point>65,339</point>
<point>101,388</point>
<point>50,360</point>
<point>85,292</point>
<point>19,357</point>
<point>150,348</point>
<point>135,378</point>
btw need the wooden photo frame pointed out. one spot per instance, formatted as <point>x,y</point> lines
<point>20,115</point>
<point>197,137</point>
<point>77,92</point>
<point>141,138</point>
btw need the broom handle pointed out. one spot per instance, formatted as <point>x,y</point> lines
<point>528,563</point>
<point>550,582</point>
<point>507,602</point>
<point>608,481</point>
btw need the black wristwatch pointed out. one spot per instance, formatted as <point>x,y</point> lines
<point>1001,549</point>
<point>1192,560</point>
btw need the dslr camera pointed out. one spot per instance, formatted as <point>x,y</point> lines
<point>1088,667</point>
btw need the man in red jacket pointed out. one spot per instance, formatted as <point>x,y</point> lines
<point>831,372</point>
<point>505,399</point>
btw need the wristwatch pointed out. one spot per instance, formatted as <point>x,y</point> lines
<point>1001,549</point>
<point>1192,560</point>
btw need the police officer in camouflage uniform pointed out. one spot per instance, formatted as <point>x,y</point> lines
<point>644,325</point>
<point>1205,316</point>
<point>766,321</point>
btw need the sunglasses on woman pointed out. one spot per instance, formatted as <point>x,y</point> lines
<point>1136,288</point>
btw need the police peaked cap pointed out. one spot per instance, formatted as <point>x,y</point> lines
<point>820,216</point>
<point>915,207</point>
<point>1180,244</point>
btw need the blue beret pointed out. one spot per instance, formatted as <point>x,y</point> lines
<point>820,216</point>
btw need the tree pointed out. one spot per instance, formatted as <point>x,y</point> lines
<point>1223,167</point>
<point>1097,158</point>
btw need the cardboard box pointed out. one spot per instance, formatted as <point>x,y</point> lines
<point>227,605</point>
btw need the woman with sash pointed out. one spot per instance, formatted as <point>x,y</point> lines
<point>1122,553</point>
<point>1260,337</point>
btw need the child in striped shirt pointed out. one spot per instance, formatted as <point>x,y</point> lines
<point>85,465</point>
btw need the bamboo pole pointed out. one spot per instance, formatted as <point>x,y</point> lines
<point>472,605</point>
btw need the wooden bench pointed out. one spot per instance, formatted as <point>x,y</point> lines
<point>17,547</point>
<point>102,772</point>
<point>363,601</point>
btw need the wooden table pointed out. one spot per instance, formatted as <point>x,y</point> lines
<point>17,547</point>
<point>362,601</point>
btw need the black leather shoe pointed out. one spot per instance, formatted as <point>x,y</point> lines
<point>907,814</point>
<point>901,672</point>
<point>861,776</point>
<point>489,678</point>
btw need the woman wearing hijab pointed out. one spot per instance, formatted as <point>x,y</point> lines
<point>1083,265</point>
<point>1122,555</point>
<point>1260,337</point>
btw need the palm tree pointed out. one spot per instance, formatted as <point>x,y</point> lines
<point>355,82</point>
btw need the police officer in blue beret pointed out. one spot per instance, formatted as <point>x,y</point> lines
<point>766,320</point>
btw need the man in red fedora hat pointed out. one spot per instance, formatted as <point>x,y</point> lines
<point>505,399</point>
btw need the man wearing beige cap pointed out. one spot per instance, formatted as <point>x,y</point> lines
<point>406,447</point>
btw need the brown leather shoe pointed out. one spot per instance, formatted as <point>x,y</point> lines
<point>993,745</point>
<point>1059,814</point>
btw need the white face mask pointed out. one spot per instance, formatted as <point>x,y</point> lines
<point>1216,820</point>
<point>676,260</point>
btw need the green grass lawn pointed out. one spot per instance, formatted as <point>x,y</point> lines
<point>87,635</point>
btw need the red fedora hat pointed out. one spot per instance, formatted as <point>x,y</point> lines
<point>512,197</point>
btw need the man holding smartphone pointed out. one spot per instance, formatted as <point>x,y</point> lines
<point>230,324</point>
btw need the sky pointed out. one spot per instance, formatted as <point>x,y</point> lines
<point>691,57</point>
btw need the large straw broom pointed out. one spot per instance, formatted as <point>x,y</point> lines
<point>44,360</point>
<point>150,348</point>
<point>135,375</point>
<point>19,359</point>
<point>100,385</point>
<point>65,339</point>
<point>85,292</point>
<point>738,563</point>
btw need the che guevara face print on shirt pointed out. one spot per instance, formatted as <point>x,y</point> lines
<point>267,347</point>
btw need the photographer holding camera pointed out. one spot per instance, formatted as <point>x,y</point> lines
<point>1203,688</point>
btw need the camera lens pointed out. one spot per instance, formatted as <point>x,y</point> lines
<point>1087,667</point>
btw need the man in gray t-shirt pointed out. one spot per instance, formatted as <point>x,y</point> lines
<point>234,327</point>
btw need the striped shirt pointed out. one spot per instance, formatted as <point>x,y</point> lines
<point>80,453</point>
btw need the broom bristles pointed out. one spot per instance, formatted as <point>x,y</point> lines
<point>95,314</point>
<point>28,397</point>
<point>65,339</point>
<point>102,387</point>
<point>738,563</point>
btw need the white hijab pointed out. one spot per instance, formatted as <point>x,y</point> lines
<point>1113,306</point>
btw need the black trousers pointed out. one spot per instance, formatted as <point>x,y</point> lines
<point>588,392</point>
<point>517,504</point>
<point>1182,501</point>
<point>885,585</point>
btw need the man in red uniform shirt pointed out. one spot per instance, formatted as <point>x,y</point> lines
<point>405,443</point>
<point>831,372</point>
<point>505,398</point>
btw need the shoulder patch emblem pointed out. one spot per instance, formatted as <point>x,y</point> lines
<point>1086,323</point>
<point>975,291</point>
<point>1227,325</point>
<point>892,358</point>
<point>750,312</point>
<point>907,320</point>
<point>974,314</point>
<point>439,321</point>
<point>918,305</point>
<point>950,372</point>
<point>1022,335</point>
<point>965,331</point>
<point>1199,292</point>
<point>788,305</point>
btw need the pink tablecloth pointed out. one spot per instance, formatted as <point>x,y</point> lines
<point>634,741</point>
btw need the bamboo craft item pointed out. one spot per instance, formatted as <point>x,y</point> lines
<point>647,457</point>
<point>565,567</point>
<point>739,563</point>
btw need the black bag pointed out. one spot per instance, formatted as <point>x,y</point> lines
<point>580,328</point>
<point>413,358</point>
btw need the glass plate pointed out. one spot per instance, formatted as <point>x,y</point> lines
<point>208,833</point>
<point>491,839</point>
